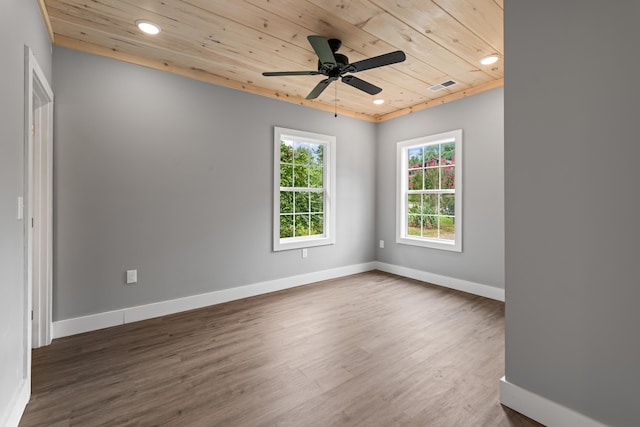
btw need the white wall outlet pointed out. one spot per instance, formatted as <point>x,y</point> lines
<point>381,244</point>
<point>304,253</point>
<point>132,276</point>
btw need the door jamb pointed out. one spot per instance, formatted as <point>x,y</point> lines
<point>38,150</point>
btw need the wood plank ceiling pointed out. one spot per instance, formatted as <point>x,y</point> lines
<point>231,42</point>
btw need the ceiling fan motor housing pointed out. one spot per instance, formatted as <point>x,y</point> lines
<point>331,70</point>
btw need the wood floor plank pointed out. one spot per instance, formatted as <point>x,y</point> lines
<point>373,349</point>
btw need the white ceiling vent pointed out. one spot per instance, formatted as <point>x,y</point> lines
<point>442,85</point>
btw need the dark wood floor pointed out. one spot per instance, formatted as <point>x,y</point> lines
<point>372,349</point>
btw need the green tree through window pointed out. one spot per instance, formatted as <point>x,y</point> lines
<point>304,178</point>
<point>301,189</point>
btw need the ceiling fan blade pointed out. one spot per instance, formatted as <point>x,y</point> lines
<point>290,73</point>
<point>323,50</point>
<point>361,84</point>
<point>377,61</point>
<point>320,87</point>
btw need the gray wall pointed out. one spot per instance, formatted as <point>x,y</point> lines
<point>572,204</point>
<point>481,119</point>
<point>173,177</point>
<point>20,24</point>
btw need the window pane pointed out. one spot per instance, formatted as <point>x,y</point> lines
<point>286,226</point>
<point>413,225</point>
<point>302,202</point>
<point>286,152</point>
<point>432,179</point>
<point>431,155</point>
<point>448,153</point>
<point>317,202</point>
<point>447,204</point>
<point>301,176</point>
<point>415,157</point>
<point>449,177</point>
<point>427,203</point>
<point>415,179</point>
<point>301,153</point>
<point>286,202</point>
<point>430,226</point>
<point>286,176</point>
<point>414,203</point>
<point>304,186</point>
<point>447,227</point>
<point>302,225</point>
<point>317,224</point>
<point>315,176</point>
<point>430,204</point>
<point>317,154</point>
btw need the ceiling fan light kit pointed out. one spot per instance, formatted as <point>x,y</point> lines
<point>336,66</point>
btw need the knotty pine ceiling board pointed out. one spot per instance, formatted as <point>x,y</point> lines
<point>231,42</point>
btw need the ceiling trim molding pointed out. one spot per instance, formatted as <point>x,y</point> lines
<point>439,101</point>
<point>45,18</point>
<point>204,76</point>
<point>199,75</point>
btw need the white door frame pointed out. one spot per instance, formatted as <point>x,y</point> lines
<point>39,201</point>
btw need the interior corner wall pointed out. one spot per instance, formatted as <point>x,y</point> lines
<point>481,119</point>
<point>174,177</point>
<point>20,25</point>
<point>572,203</point>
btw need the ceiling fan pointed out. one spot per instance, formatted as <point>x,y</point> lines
<point>335,65</point>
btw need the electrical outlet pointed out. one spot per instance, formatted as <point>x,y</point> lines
<point>304,253</point>
<point>381,244</point>
<point>132,276</point>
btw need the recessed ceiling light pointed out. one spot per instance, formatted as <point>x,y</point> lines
<point>490,59</point>
<point>378,101</point>
<point>148,27</point>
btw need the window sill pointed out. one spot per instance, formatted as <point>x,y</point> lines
<point>433,244</point>
<point>301,243</point>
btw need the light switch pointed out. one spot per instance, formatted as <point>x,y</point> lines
<point>20,207</point>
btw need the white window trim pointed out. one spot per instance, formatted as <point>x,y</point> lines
<point>329,178</point>
<point>402,188</point>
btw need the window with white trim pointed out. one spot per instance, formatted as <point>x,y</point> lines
<point>304,189</point>
<point>429,191</point>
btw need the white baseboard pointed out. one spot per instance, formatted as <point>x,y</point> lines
<point>541,409</point>
<point>445,281</point>
<point>15,409</point>
<point>93,322</point>
<point>77,325</point>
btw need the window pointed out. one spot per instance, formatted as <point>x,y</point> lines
<point>304,189</point>
<point>429,191</point>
